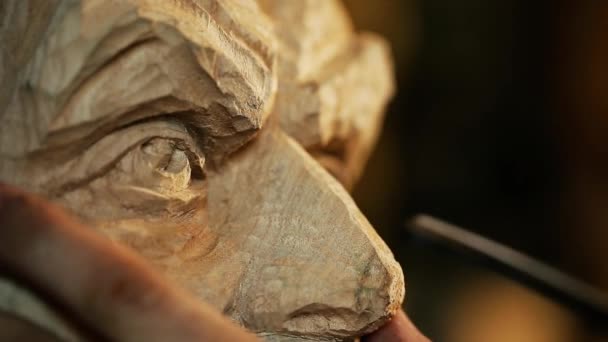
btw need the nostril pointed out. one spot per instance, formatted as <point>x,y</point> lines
<point>318,319</point>
<point>357,305</point>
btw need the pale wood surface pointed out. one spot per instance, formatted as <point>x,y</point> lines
<point>199,133</point>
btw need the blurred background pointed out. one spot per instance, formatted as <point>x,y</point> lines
<point>500,125</point>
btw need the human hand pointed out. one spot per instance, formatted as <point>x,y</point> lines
<point>399,329</point>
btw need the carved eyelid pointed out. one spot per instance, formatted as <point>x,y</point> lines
<point>102,156</point>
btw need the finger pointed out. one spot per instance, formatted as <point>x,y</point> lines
<point>399,329</point>
<point>109,287</point>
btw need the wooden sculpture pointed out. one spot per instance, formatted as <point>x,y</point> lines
<point>200,133</point>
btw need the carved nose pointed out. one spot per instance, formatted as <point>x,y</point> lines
<point>301,257</point>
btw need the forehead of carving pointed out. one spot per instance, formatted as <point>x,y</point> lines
<point>148,58</point>
<point>232,38</point>
<point>310,33</point>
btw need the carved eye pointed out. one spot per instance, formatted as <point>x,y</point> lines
<point>136,171</point>
<point>158,165</point>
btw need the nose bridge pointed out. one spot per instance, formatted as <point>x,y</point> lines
<point>314,263</point>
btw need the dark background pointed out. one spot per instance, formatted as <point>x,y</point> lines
<point>498,126</point>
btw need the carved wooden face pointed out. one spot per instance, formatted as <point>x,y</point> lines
<point>200,133</point>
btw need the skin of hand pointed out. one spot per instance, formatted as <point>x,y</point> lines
<point>112,291</point>
<point>399,329</point>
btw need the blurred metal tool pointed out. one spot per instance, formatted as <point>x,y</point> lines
<point>582,298</point>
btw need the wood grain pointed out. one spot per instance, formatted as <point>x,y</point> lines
<point>200,133</point>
